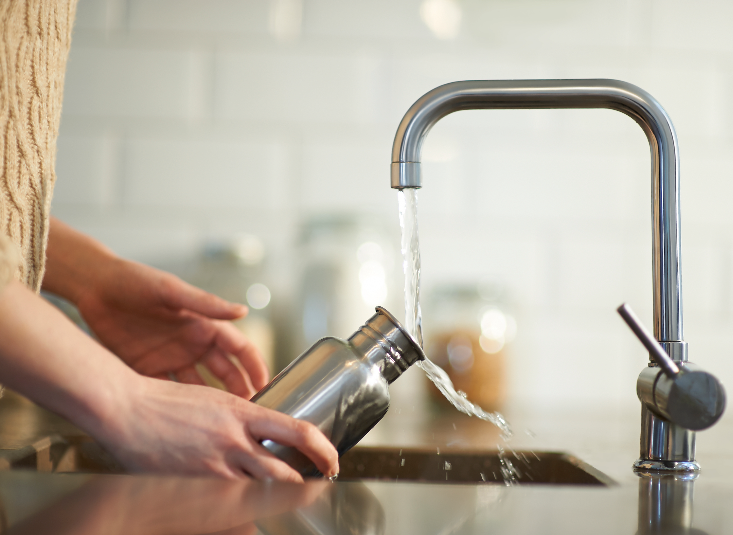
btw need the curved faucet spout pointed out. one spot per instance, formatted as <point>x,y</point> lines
<point>536,94</point>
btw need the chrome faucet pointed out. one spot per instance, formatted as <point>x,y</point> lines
<point>665,445</point>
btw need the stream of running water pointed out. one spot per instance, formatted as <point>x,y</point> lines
<point>413,315</point>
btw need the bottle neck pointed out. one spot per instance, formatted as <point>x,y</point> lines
<point>384,343</point>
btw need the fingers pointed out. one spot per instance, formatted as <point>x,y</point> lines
<point>299,434</point>
<point>264,465</point>
<point>190,376</point>
<point>224,369</point>
<point>180,295</point>
<point>232,341</point>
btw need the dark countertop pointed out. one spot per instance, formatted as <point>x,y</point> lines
<point>33,502</point>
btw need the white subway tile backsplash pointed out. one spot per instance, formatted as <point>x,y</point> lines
<point>702,26</point>
<point>544,24</point>
<point>555,185</point>
<point>467,252</point>
<point>291,87</point>
<point>205,172</point>
<point>87,170</point>
<point>199,16</point>
<point>345,175</point>
<point>703,280</point>
<point>376,20</point>
<point>591,272</point>
<point>707,190</point>
<point>113,82</point>
<point>100,15</point>
<point>692,89</point>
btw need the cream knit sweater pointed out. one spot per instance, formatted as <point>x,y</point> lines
<point>35,36</point>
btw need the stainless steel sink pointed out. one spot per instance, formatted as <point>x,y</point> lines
<point>462,466</point>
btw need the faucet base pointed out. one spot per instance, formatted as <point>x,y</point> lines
<point>665,447</point>
<point>651,465</point>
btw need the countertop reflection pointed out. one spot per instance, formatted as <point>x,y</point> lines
<point>36,503</point>
<point>116,504</point>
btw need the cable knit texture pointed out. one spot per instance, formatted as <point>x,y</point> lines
<point>35,36</point>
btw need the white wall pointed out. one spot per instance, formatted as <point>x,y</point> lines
<point>190,119</point>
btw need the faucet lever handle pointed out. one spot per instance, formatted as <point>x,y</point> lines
<point>691,398</point>
<point>655,349</point>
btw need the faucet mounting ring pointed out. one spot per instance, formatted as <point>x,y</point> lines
<point>643,465</point>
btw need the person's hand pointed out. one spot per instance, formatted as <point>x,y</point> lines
<point>156,323</point>
<point>164,426</point>
<point>159,325</point>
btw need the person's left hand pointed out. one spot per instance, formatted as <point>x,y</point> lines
<point>160,325</point>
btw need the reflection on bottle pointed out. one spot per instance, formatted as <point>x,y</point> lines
<point>347,508</point>
<point>665,504</point>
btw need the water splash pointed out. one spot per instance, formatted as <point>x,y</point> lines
<point>458,399</point>
<point>509,472</point>
<point>407,199</point>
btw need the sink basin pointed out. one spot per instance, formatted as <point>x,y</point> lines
<point>465,466</point>
<point>82,454</point>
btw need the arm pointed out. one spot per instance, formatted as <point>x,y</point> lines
<point>152,320</point>
<point>147,424</point>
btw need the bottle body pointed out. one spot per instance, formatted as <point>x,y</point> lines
<point>341,386</point>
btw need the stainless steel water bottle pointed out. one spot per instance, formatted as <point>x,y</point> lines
<point>341,386</point>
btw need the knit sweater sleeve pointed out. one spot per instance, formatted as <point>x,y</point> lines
<point>35,36</point>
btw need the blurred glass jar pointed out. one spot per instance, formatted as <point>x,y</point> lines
<point>469,331</point>
<point>235,270</point>
<point>348,267</point>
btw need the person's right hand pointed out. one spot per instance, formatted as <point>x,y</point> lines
<point>188,429</point>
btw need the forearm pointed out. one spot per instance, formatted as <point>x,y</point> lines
<point>73,261</point>
<point>45,357</point>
